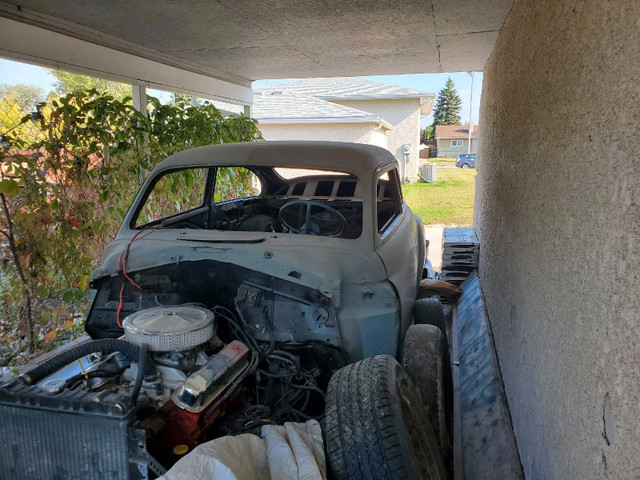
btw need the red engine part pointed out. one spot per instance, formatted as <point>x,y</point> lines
<point>187,428</point>
<point>188,424</point>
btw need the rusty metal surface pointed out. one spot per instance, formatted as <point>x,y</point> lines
<point>489,448</point>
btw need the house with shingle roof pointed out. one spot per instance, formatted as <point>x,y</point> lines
<point>452,140</point>
<point>346,109</point>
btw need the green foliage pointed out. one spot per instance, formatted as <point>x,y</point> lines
<point>73,82</point>
<point>427,135</point>
<point>235,182</point>
<point>447,108</point>
<point>67,188</point>
<point>28,96</point>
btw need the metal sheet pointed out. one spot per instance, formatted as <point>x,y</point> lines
<point>488,442</point>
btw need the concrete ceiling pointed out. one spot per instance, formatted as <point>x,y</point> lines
<point>249,39</point>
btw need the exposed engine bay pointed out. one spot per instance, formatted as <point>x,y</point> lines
<point>187,373</point>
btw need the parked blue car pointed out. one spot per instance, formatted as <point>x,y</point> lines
<point>467,160</point>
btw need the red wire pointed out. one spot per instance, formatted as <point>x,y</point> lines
<point>123,263</point>
<point>119,308</point>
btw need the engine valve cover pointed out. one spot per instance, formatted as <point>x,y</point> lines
<point>205,385</point>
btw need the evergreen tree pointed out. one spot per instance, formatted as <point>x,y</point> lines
<point>447,107</point>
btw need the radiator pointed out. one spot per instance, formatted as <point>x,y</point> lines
<point>71,435</point>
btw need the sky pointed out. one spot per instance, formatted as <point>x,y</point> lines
<point>15,72</point>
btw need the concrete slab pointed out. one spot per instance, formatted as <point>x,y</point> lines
<point>433,233</point>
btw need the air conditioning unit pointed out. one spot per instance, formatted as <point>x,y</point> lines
<point>429,172</point>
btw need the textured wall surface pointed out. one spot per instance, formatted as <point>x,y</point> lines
<point>558,214</point>
<point>404,115</point>
<point>333,132</point>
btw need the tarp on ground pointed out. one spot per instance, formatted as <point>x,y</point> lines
<point>293,451</point>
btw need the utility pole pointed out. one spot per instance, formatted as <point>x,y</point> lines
<point>470,112</point>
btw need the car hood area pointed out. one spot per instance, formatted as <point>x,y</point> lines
<point>321,263</point>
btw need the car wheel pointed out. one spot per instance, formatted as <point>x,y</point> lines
<point>465,165</point>
<point>376,425</point>
<point>424,356</point>
<point>429,311</point>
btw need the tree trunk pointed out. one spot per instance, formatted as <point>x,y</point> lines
<point>26,290</point>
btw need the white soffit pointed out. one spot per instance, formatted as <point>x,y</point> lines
<point>22,42</point>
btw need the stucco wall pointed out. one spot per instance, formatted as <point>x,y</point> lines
<point>446,150</point>
<point>404,115</point>
<point>558,214</point>
<point>335,132</point>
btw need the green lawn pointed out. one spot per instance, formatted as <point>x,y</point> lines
<point>442,161</point>
<point>449,201</point>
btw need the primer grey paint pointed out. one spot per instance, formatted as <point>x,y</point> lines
<point>372,280</point>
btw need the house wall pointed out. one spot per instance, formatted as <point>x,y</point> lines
<point>446,150</point>
<point>558,215</point>
<point>368,133</point>
<point>404,115</point>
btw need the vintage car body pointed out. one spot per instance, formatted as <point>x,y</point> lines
<point>356,294</point>
<point>243,278</point>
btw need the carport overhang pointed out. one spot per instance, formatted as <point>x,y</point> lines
<point>22,42</point>
<point>215,49</point>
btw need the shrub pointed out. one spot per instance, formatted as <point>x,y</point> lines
<point>68,172</point>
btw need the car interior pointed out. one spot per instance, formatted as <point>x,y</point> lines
<point>257,199</point>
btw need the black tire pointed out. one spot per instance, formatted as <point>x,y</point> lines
<point>466,165</point>
<point>429,311</point>
<point>376,426</point>
<point>425,358</point>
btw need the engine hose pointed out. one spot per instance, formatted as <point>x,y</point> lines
<point>104,345</point>
<point>142,363</point>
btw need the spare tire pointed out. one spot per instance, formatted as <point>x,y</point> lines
<point>425,358</point>
<point>376,426</point>
<point>429,311</point>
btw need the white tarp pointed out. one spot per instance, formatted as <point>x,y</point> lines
<point>293,451</point>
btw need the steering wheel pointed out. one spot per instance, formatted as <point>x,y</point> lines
<point>306,227</point>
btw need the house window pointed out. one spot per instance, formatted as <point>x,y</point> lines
<point>456,143</point>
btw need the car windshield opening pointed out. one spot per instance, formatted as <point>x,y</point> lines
<point>255,199</point>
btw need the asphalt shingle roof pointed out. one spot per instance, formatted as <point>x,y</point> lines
<point>456,131</point>
<point>277,106</point>
<point>348,88</point>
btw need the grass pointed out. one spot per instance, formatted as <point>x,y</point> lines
<point>448,201</point>
<point>442,161</point>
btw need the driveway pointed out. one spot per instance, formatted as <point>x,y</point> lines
<point>433,233</point>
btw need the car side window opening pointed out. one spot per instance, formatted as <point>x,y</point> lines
<point>234,183</point>
<point>176,192</point>
<point>388,199</point>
